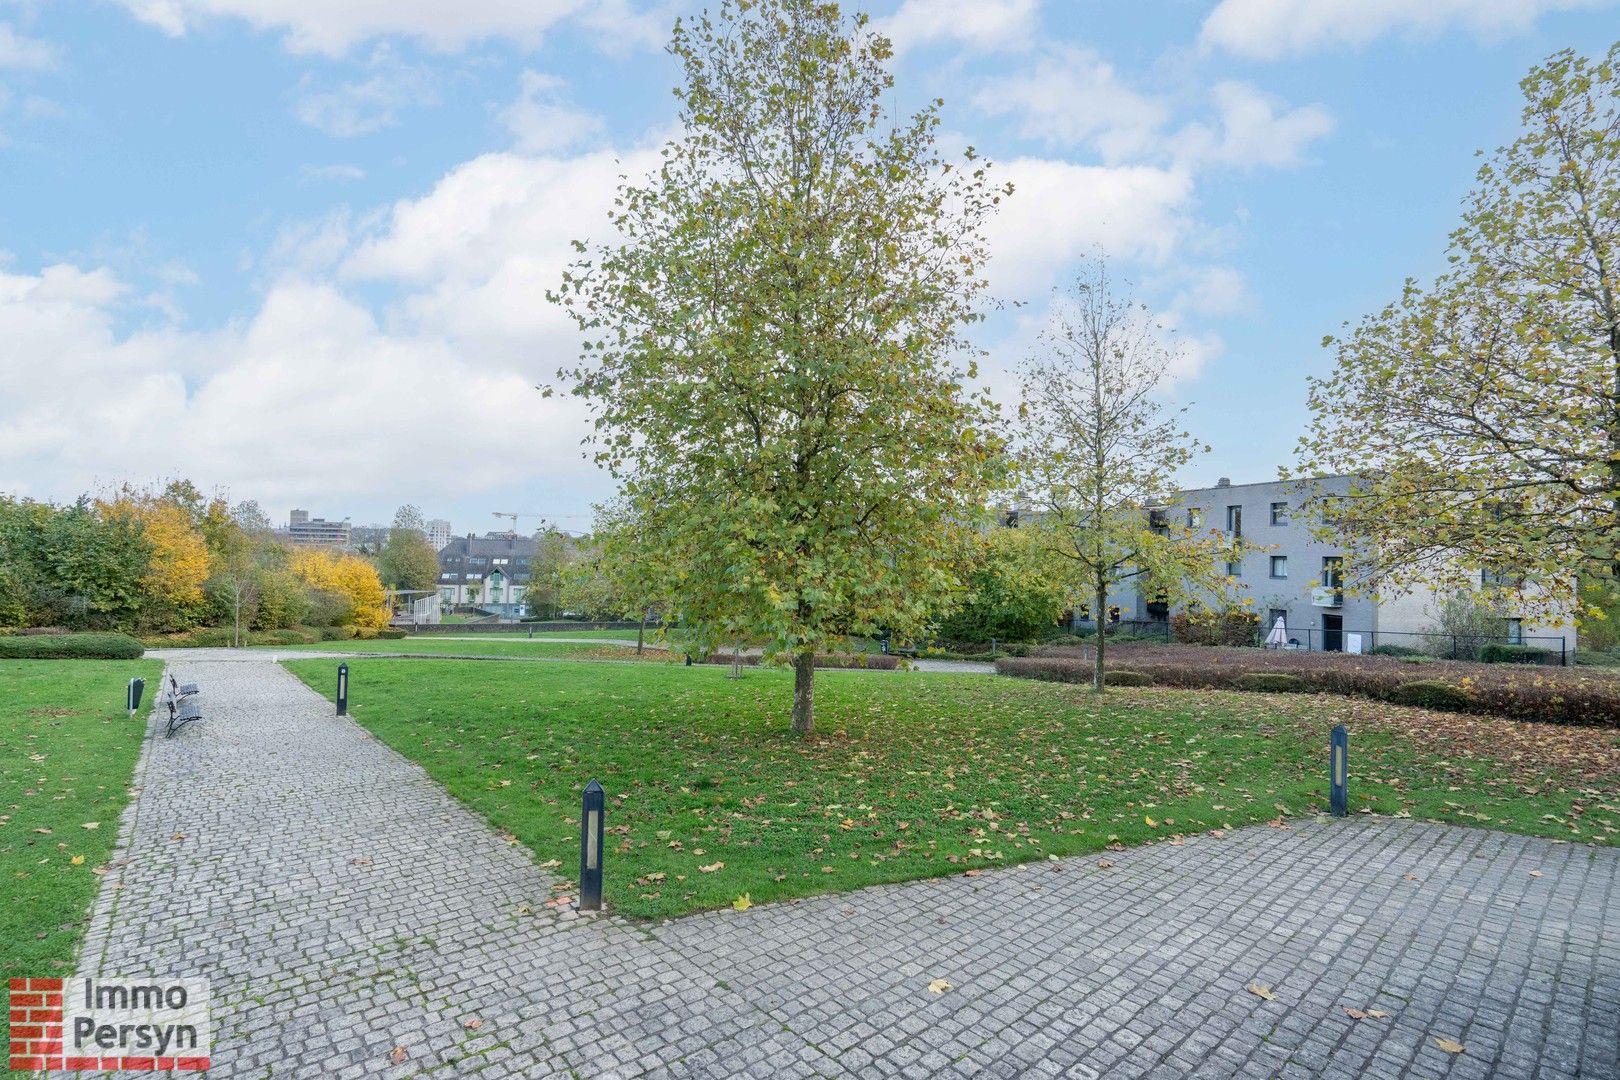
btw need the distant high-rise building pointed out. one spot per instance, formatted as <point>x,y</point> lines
<point>303,529</point>
<point>438,533</point>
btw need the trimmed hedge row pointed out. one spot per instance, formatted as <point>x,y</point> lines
<point>872,661</point>
<point>1509,690</point>
<point>70,647</point>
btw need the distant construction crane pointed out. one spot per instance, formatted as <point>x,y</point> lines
<point>513,518</point>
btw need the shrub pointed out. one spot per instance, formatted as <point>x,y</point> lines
<point>1229,627</point>
<point>391,633</point>
<point>71,647</point>
<point>1126,678</point>
<point>1432,694</point>
<point>873,661</point>
<point>43,631</point>
<point>1496,653</point>
<point>1515,691</point>
<point>1397,650</point>
<point>1270,682</point>
<point>336,633</point>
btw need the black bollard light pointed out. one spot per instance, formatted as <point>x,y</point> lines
<point>343,690</point>
<point>137,687</point>
<point>688,659</point>
<point>591,811</point>
<point>1339,770</point>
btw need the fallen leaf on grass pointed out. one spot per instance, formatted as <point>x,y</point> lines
<point>939,986</point>
<point>1450,1046</point>
<point>77,860</point>
<point>551,864</point>
<point>91,825</point>
<point>711,868</point>
<point>742,903</point>
<point>1261,990</point>
<point>1150,822</point>
<point>398,1055</point>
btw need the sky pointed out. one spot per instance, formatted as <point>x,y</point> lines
<point>298,250</point>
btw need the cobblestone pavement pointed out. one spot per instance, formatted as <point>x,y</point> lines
<point>343,905</point>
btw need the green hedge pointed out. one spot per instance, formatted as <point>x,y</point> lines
<point>1513,654</point>
<point>1433,694</point>
<point>391,634</point>
<point>1266,682</point>
<point>71,647</point>
<point>1126,678</point>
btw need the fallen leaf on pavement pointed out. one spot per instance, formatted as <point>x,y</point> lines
<point>938,986</point>
<point>1378,1014</point>
<point>1536,873</point>
<point>398,1055</point>
<point>474,1024</point>
<point>742,903</point>
<point>1104,864</point>
<point>1261,990</point>
<point>178,836</point>
<point>1450,1046</point>
<point>1354,1014</point>
<point>361,860</point>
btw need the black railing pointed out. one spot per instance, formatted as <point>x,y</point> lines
<point>1547,651</point>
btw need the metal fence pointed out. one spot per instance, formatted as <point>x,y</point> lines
<point>1547,651</point>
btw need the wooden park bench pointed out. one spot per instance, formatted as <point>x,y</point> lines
<point>183,705</point>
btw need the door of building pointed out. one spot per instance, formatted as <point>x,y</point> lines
<point>1332,633</point>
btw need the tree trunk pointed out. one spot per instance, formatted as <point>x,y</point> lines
<point>641,631</point>
<point>804,675</point>
<point>1100,617</point>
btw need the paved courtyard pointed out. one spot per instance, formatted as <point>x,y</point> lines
<point>350,913</point>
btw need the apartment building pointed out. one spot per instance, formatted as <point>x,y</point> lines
<point>1290,574</point>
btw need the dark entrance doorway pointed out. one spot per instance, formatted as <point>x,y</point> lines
<point>1332,633</point>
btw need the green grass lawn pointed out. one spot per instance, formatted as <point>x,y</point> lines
<point>495,647</point>
<point>67,752</point>
<point>917,775</point>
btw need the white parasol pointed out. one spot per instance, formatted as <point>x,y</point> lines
<point>1278,636</point>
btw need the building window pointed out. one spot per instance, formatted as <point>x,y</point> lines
<point>1333,572</point>
<point>1234,568</point>
<point>1195,517</point>
<point>1515,631</point>
<point>1279,513</point>
<point>1234,521</point>
<point>1279,566</point>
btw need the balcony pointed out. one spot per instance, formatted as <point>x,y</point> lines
<point>1324,596</point>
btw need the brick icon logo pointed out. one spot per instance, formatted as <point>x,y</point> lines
<point>133,1025</point>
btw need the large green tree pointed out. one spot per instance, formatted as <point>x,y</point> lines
<point>1098,455</point>
<point>407,560</point>
<point>1480,415</point>
<point>768,347</point>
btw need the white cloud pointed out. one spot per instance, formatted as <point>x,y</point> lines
<point>1061,212</point>
<point>543,119</point>
<point>1255,129</point>
<point>480,250</point>
<point>24,53</point>
<point>334,27</point>
<point>370,104</point>
<point>309,399</point>
<point>1268,29</point>
<point>1073,97</point>
<point>983,25</point>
